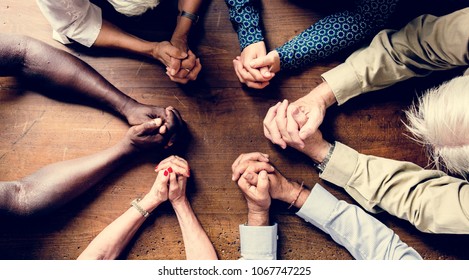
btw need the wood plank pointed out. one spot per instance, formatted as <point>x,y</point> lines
<point>224,120</point>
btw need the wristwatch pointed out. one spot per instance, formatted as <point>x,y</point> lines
<point>193,17</point>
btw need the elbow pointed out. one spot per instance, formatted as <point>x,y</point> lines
<point>17,200</point>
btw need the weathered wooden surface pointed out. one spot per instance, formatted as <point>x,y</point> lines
<point>224,119</point>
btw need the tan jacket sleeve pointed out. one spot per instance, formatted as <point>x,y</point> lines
<point>426,44</point>
<point>429,199</point>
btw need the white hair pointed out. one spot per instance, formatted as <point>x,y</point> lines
<point>133,7</point>
<point>440,121</point>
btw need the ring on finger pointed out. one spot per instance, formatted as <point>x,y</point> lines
<point>188,70</point>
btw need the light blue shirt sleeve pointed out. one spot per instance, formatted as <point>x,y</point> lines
<point>362,235</point>
<point>258,242</point>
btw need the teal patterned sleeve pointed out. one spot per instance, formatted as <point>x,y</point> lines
<point>244,15</point>
<point>335,33</point>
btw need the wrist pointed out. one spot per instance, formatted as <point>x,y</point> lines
<point>126,147</point>
<point>258,218</point>
<point>319,151</point>
<point>179,202</point>
<point>325,94</point>
<point>150,202</point>
<point>128,107</point>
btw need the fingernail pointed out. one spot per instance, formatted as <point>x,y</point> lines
<point>232,178</point>
<point>170,170</point>
<point>156,167</point>
<point>184,54</point>
<point>157,121</point>
<point>166,173</point>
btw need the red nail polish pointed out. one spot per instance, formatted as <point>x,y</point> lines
<point>156,167</point>
<point>166,173</point>
<point>170,170</point>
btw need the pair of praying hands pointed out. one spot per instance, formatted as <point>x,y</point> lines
<point>170,183</point>
<point>255,67</point>
<point>297,124</point>
<point>153,126</point>
<point>181,63</point>
<point>260,182</point>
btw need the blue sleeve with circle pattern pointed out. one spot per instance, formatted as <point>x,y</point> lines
<point>336,32</point>
<point>244,15</point>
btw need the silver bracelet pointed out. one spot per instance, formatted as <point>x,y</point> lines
<point>139,208</point>
<point>322,165</point>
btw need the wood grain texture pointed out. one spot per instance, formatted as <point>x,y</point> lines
<point>224,120</point>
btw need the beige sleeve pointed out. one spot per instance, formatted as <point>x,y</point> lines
<point>426,44</point>
<point>429,199</point>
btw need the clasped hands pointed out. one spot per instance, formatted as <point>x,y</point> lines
<point>181,63</point>
<point>170,184</point>
<point>260,182</point>
<point>254,67</point>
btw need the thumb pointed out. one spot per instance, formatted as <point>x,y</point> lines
<point>174,65</point>
<point>263,182</point>
<point>263,61</point>
<point>149,127</point>
<point>309,128</point>
<point>176,53</point>
<point>299,117</point>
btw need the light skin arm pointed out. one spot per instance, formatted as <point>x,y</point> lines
<point>196,242</point>
<point>54,185</point>
<point>109,244</point>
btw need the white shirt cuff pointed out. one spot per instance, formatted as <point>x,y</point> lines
<point>258,242</point>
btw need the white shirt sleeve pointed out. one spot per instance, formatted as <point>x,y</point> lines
<point>361,234</point>
<point>78,20</point>
<point>258,242</point>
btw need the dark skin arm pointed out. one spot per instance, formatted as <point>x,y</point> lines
<point>34,60</point>
<point>56,184</point>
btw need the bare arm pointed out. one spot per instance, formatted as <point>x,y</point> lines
<point>56,184</point>
<point>196,242</point>
<point>184,24</point>
<point>113,239</point>
<point>33,59</point>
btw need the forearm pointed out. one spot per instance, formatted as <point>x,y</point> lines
<point>361,234</point>
<point>113,37</point>
<point>35,60</point>
<point>196,242</point>
<point>114,238</point>
<point>184,24</point>
<point>54,185</point>
<point>422,46</point>
<point>429,199</point>
<point>334,33</point>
